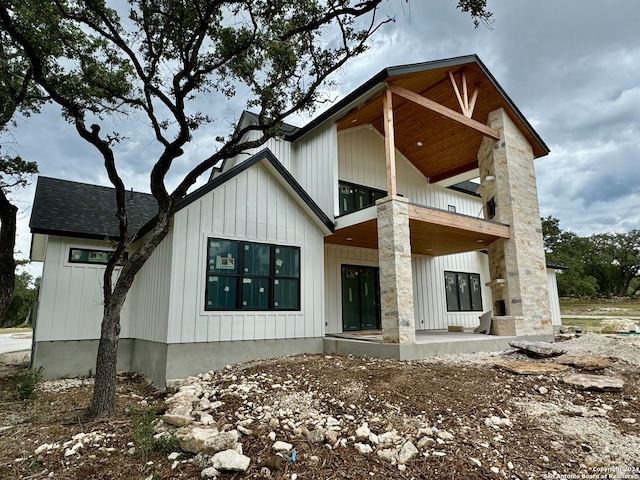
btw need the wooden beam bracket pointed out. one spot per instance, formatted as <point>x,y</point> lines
<point>444,111</point>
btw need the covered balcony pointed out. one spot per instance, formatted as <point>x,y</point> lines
<point>452,122</point>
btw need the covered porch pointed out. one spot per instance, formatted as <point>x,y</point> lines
<point>452,122</point>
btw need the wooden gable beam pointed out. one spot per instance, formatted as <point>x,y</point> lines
<point>444,111</point>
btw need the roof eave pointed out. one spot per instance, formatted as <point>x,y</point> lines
<point>365,91</point>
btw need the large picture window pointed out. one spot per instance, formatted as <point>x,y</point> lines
<point>252,276</point>
<point>463,292</point>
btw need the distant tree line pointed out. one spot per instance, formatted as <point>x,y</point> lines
<point>602,265</point>
<point>20,308</point>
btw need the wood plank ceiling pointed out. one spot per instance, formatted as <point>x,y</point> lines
<point>439,147</point>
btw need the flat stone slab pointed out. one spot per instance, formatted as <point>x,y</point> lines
<point>538,349</point>
<point>599,383</point>
<point>587,362</point>
<point>532,368</point>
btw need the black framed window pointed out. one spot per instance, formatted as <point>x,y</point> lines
<point>356,197</point>
<point>91,256</point>
<point>463,292</point>
<point>491,207</point>
<point>252,276</point>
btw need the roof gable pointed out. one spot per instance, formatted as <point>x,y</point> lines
<point>279,171</point>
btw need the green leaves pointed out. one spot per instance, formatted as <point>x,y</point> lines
<point>600,265</point>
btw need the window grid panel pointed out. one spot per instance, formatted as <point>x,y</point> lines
<point>252,276</point>
<point>463,292</point>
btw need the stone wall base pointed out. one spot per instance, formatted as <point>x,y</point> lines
<point>517,326</point>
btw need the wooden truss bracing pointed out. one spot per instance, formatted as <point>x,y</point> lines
<point>467,105</point>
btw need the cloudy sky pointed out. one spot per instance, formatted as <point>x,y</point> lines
<point>571,66</point>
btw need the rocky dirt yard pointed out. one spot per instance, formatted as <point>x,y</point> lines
<point>330,417</point>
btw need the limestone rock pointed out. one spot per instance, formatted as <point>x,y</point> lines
<point>282,446</point>
<point>331,437</point>
<point>388,454</point>
<point>538,349</point>
<point>177,419</point>
<point>363,431</point>
<point>586,362</point>
<point>621,325</point>
<point>316,436</point>
<point>230,460</point>
<point>209,472</point>
<point>244,430</point>
<point>389,438</point>
<point>570,329</point>
<point>206,440</point>
<point>444,435</point>
<point>407,452</point>
<point>600,383</point>
<point>426,442</point>
<point>531,368</point>
<point>363,448</point>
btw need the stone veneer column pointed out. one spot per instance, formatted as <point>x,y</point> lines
<point>396,280</point>
<point>517,264</point>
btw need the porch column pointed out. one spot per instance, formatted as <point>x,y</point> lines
<point>517,265</point>
<point>396,280</point>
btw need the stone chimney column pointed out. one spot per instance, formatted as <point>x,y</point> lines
<point>396,279</point>
<point>517,265</point>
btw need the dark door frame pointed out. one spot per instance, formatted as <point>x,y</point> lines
<point>359,268</point>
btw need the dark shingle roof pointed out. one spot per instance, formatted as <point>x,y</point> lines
<point>62,207</point>
<point>287,129</point>
<point>466,187</point>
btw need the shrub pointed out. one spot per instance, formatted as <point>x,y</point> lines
<point>143,434</point>
<point>27,381</point>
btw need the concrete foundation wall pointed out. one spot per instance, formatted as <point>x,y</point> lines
<point>418,351</point>
<point>77,358</point>
<point>160,362</point>
<point>150,359</point>
<point>184,359</point>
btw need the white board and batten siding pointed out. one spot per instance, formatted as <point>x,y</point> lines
<point>252,206</point>
<point>311,161</point>
<point>430,308</point>
<point>429,296</point>
<point>361,160</point>
<point>151,305</point>
<point>71,299</point>
<point>554,299</point>
<point>314,166</point>
<point>280,148</point>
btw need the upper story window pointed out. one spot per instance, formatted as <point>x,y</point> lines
<point>355,197</point>
<point>252,276</point>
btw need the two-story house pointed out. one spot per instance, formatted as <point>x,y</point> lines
<point>364,219</point>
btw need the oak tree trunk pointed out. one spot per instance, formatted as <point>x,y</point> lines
<point>104,391</point>
<point>8,214</point>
